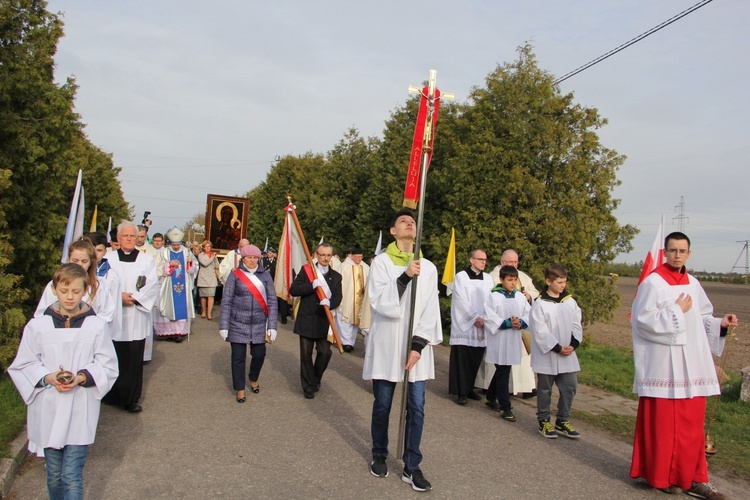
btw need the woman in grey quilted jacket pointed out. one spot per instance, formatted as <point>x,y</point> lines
<point>248,317</point>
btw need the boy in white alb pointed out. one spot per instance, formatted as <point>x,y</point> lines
<point>67,341</point>
<point>555,324</point>
<point>507,313</point>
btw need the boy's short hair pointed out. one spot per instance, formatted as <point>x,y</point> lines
<point>66,273</point>
<point>403,211</point>
<point>554,271</point>
<point>506,271</point>
<point>97,238</point>
<point>676,236</point>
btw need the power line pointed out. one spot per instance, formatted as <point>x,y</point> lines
<point>634,40</point>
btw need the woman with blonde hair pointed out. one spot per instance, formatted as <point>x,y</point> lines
<point>207,279</point>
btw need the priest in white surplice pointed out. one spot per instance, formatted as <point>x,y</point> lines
<point>471,289</point>
<point>138,292</point>
<point>354,275</point>
<point>389,289</point>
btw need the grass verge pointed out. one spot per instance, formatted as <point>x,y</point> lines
<point>611,369</point>
<point>608,368</point>
<point>12,415</point>
<point>622,426</point>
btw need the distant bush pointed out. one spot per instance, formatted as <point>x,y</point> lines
<point>623,269</point>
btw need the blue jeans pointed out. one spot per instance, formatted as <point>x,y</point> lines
<point>381,411</point>
<point>65,471</point>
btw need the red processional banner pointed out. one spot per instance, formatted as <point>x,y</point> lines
<point>411,192</point>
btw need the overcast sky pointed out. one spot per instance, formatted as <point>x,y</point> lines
<point>195,97</point>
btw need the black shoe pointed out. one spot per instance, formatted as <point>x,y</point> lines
<point>462,400</point>
<point>283,320</point>
<point>473,395</point>
<point>309,395</point>
<point>317,387</point>
<point>563,428</point>
<point>348,348</point>
<point>416,479</point>
<point>508,416</point>
<point>493,404</point>
<point>134,408</point>
<point>378,467</point>
<point>180,339</point>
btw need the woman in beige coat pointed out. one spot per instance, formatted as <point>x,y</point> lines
<point>207,280</point>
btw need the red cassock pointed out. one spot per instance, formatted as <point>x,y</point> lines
<point>670,446</point>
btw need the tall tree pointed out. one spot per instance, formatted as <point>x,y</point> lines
<point>11,293</point>
<point>43,144</point>
<point>295,176</point>
<point>519,165</point>
<point>528,171</point>
<point>345,179</point>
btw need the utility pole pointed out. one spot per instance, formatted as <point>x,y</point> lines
<point>746,267</point>
<point>680,217</point>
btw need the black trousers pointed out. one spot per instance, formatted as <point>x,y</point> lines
<point>311,372</point>
<point>499,387</point>
<point>283,308</point>
<point>239,355</point>
<point>127,388</point>
<point>462,370</point>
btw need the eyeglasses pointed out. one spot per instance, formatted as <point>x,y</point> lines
<point>127,236</point>
<point>675,251</point>
<point>480,260</point>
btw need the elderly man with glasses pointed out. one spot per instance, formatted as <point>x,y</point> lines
<point>138,291</point>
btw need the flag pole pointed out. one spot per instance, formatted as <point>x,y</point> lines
<point>412,307</point>
<point>426,146</point>
<point>319,290</point>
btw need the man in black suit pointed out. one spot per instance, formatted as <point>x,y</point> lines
<point>311,323</point>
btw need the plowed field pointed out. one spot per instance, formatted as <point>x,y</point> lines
<point>725,299</point>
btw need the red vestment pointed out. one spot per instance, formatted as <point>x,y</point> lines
<point>670,446</point>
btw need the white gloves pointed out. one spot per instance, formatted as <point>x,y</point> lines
<point>325,302</point>
<point>318,282</point>
<point>224,334</point>
<point>271,335</point>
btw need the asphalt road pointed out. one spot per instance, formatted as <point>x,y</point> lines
<point>193,440</point>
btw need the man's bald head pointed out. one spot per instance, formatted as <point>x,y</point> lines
<point>243,242</point>
<point>509,258</point>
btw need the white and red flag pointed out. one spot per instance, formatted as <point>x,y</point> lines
<point>655,256</point>
<point>291,256</point>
